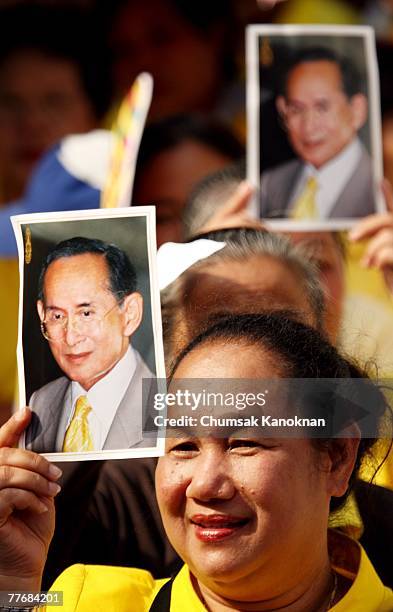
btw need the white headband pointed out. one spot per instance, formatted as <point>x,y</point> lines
<point>174,258</point>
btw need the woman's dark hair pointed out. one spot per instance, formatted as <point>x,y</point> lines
<point>64,33</point>
<point>169,132</point>
<point>304,354</point>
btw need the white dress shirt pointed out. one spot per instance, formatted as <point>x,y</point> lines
<point>331,178</point>
<point>104,398</point>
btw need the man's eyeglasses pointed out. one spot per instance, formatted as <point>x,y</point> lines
<point>84,321</point>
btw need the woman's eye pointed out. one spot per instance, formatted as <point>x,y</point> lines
<point>244,445</point>
<point>184,448</point>
<point>234,444</point>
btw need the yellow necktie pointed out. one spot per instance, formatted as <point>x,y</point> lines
<point>78,436</point>
<point>305,206</point>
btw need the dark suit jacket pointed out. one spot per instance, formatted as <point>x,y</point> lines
<point>107,514</point>
<point>356,200</point>
<point>48,402</point>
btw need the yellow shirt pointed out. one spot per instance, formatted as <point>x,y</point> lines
<point>120,589</point>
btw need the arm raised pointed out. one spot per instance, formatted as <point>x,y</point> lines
<point>27,516</point>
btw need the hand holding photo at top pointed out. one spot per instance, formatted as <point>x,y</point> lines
<point>27,514</point>
<point>379,230</point>
<point>313,123</point>
<point>234,213</point>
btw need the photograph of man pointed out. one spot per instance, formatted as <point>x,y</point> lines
<point>89,309</point>
<point>322,107</point>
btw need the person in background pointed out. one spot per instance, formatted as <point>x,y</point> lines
<point>251,270</point>
<point>175,154</point>
<point>222,201</point>
<point>186,46</point>
<point>53,82</point>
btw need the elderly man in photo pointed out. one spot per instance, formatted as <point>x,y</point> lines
<point>322,108</point>
<point>89,309</point>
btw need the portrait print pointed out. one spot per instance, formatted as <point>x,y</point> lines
<point>90,339</point>
<point>314,136</point>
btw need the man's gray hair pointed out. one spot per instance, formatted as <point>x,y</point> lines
<point>210,194</point>
<point>241,245</point>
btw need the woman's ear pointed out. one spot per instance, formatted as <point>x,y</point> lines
<point>342,459</point>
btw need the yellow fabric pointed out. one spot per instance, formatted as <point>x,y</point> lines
<point>112,589</point>
<point>305,206</point>
<point>348,518</point>
<point>78,436</point>
<point>9,286</point>
<point>312,11</point>
<point>367,335</point>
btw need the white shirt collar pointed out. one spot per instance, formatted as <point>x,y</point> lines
<point>105,397</point>
<point>332,177</point>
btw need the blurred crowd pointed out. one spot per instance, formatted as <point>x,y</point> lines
<point>64,68</point>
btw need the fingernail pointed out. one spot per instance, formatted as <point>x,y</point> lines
<point>20,415</point>
<point>244,186</point>
<point>54,488</point>
<point>54,471</point>
<point>42,508</point>
<point>352,234</point>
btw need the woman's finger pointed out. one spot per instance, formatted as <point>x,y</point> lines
<point>18,478</point>
<point>28,460</point>
<point>17,499</point>
<point>387,191</point>
<point>383,241</point>
<point>239,201</point>
<point>384,259</point>
<point>369,226</point>
<point>11,431</point>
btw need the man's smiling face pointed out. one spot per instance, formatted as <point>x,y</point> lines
<point>320,118</point>
<point>76,290</point>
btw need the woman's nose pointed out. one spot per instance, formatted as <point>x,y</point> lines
<point>211,479</point>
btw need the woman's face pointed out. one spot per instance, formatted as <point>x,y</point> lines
<point>256,284</point>
<point>232,507</point>
<point>169,178</point>
<point>42,99</point>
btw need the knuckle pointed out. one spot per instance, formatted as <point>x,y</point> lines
<point>37,479</point>
<point>5,474</point>
<point>37,461</point>
<point>4,454</point>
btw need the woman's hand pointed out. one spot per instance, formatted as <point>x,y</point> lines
<point>27,516</point>
<point>234,213</point>
<point>379,229</point>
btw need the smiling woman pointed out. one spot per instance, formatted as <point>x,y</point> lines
<point>247,514</point>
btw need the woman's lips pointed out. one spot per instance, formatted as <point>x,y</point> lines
<point>215,527</point>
